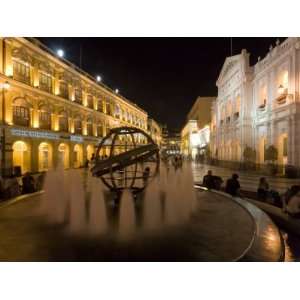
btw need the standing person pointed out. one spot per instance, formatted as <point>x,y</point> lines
<point>209,180</point>
<point>263,189</point>
<point>233,185</point>
<point>28,184</point>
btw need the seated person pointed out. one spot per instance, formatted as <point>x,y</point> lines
<point>293,206</point>
<point>217,182</point>
<point>233,185</point>
<point>28,184</point>
<point>208,180</point>
<point>263,189</point>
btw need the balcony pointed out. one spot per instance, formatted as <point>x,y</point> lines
<point>21,78</point>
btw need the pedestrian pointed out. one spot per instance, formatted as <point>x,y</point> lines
<point>28,184</point>
<point>233,185</point>
<point>209,180</point>
<point>263,189</point>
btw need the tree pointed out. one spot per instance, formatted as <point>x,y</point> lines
<point>271,154</point>
<point>249,154</point>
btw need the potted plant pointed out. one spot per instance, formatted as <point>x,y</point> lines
<point>249,155</point>
<point>271,156</point>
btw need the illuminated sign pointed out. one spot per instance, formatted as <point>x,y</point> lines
<point>35,134</point>
<point>76,138</point>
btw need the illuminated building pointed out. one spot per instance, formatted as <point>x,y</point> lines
<point>52,111</point>
<point>155,131</point>
<point>258,106</point>
<point>196,132</point>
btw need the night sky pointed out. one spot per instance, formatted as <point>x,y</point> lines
<point>164,76</point>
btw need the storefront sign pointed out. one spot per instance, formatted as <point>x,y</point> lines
<point>34,134</point>
<point>76,138</point>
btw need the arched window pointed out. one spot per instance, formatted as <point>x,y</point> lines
<point>63,121</point>
<point>77,125</point>
<point>89,127</point>
<point>21,112</point>
<point>45,117</point>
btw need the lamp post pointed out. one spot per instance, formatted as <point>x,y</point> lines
<point>5,87</point>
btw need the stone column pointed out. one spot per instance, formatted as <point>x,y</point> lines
<point>7,63</point>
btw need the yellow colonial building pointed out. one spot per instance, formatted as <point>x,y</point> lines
<point>53,111</point>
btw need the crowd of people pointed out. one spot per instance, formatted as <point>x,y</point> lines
<point>288,201</point>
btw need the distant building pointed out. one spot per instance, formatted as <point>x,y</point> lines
<point>196,132</point>
<point>171,142</point>
<point>155,131</point>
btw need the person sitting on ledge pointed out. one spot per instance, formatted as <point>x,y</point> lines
<point>28,184</point>
<point>291,201</point>
<point>208,180</point>
<point>263,189</point>
<point>233,185</point>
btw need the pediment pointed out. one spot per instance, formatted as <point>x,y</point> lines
<point>229,64</point>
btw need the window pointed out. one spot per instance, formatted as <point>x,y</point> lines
<point>77,126</point>
<point>21,71</point>
<point>45,119</point>
<point>63,122</point>
<point>45,82</point>
<point>262,97</point>
<point>89,127</point>
<point>21,115</point>
<point>108,108</point>
<point>63,89</point>
<point>90,101</point>
<point>78,96</point>
<point>117,111</point>
<point>100,105</point>
<point>100,130</point>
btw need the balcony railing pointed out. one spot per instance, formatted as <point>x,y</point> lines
<point>21,121</point>
<point>21,78</point>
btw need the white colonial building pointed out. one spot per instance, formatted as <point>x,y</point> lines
<point>258,105</point>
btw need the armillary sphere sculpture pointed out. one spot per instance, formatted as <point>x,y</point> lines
<point>126,158</point>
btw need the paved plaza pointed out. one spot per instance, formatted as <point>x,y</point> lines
<point>209,235</point>
<point>248,180</point>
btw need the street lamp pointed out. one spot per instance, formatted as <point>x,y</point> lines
<point>5,87</point>
<point>60,53</point>
<point>117,91</point>
<point>98,78</point>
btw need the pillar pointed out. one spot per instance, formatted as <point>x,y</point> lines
<point>7,63</point>
<point>1,55</point>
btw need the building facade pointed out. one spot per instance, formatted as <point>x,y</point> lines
<point>258,106</point>
<point>52,111</point>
